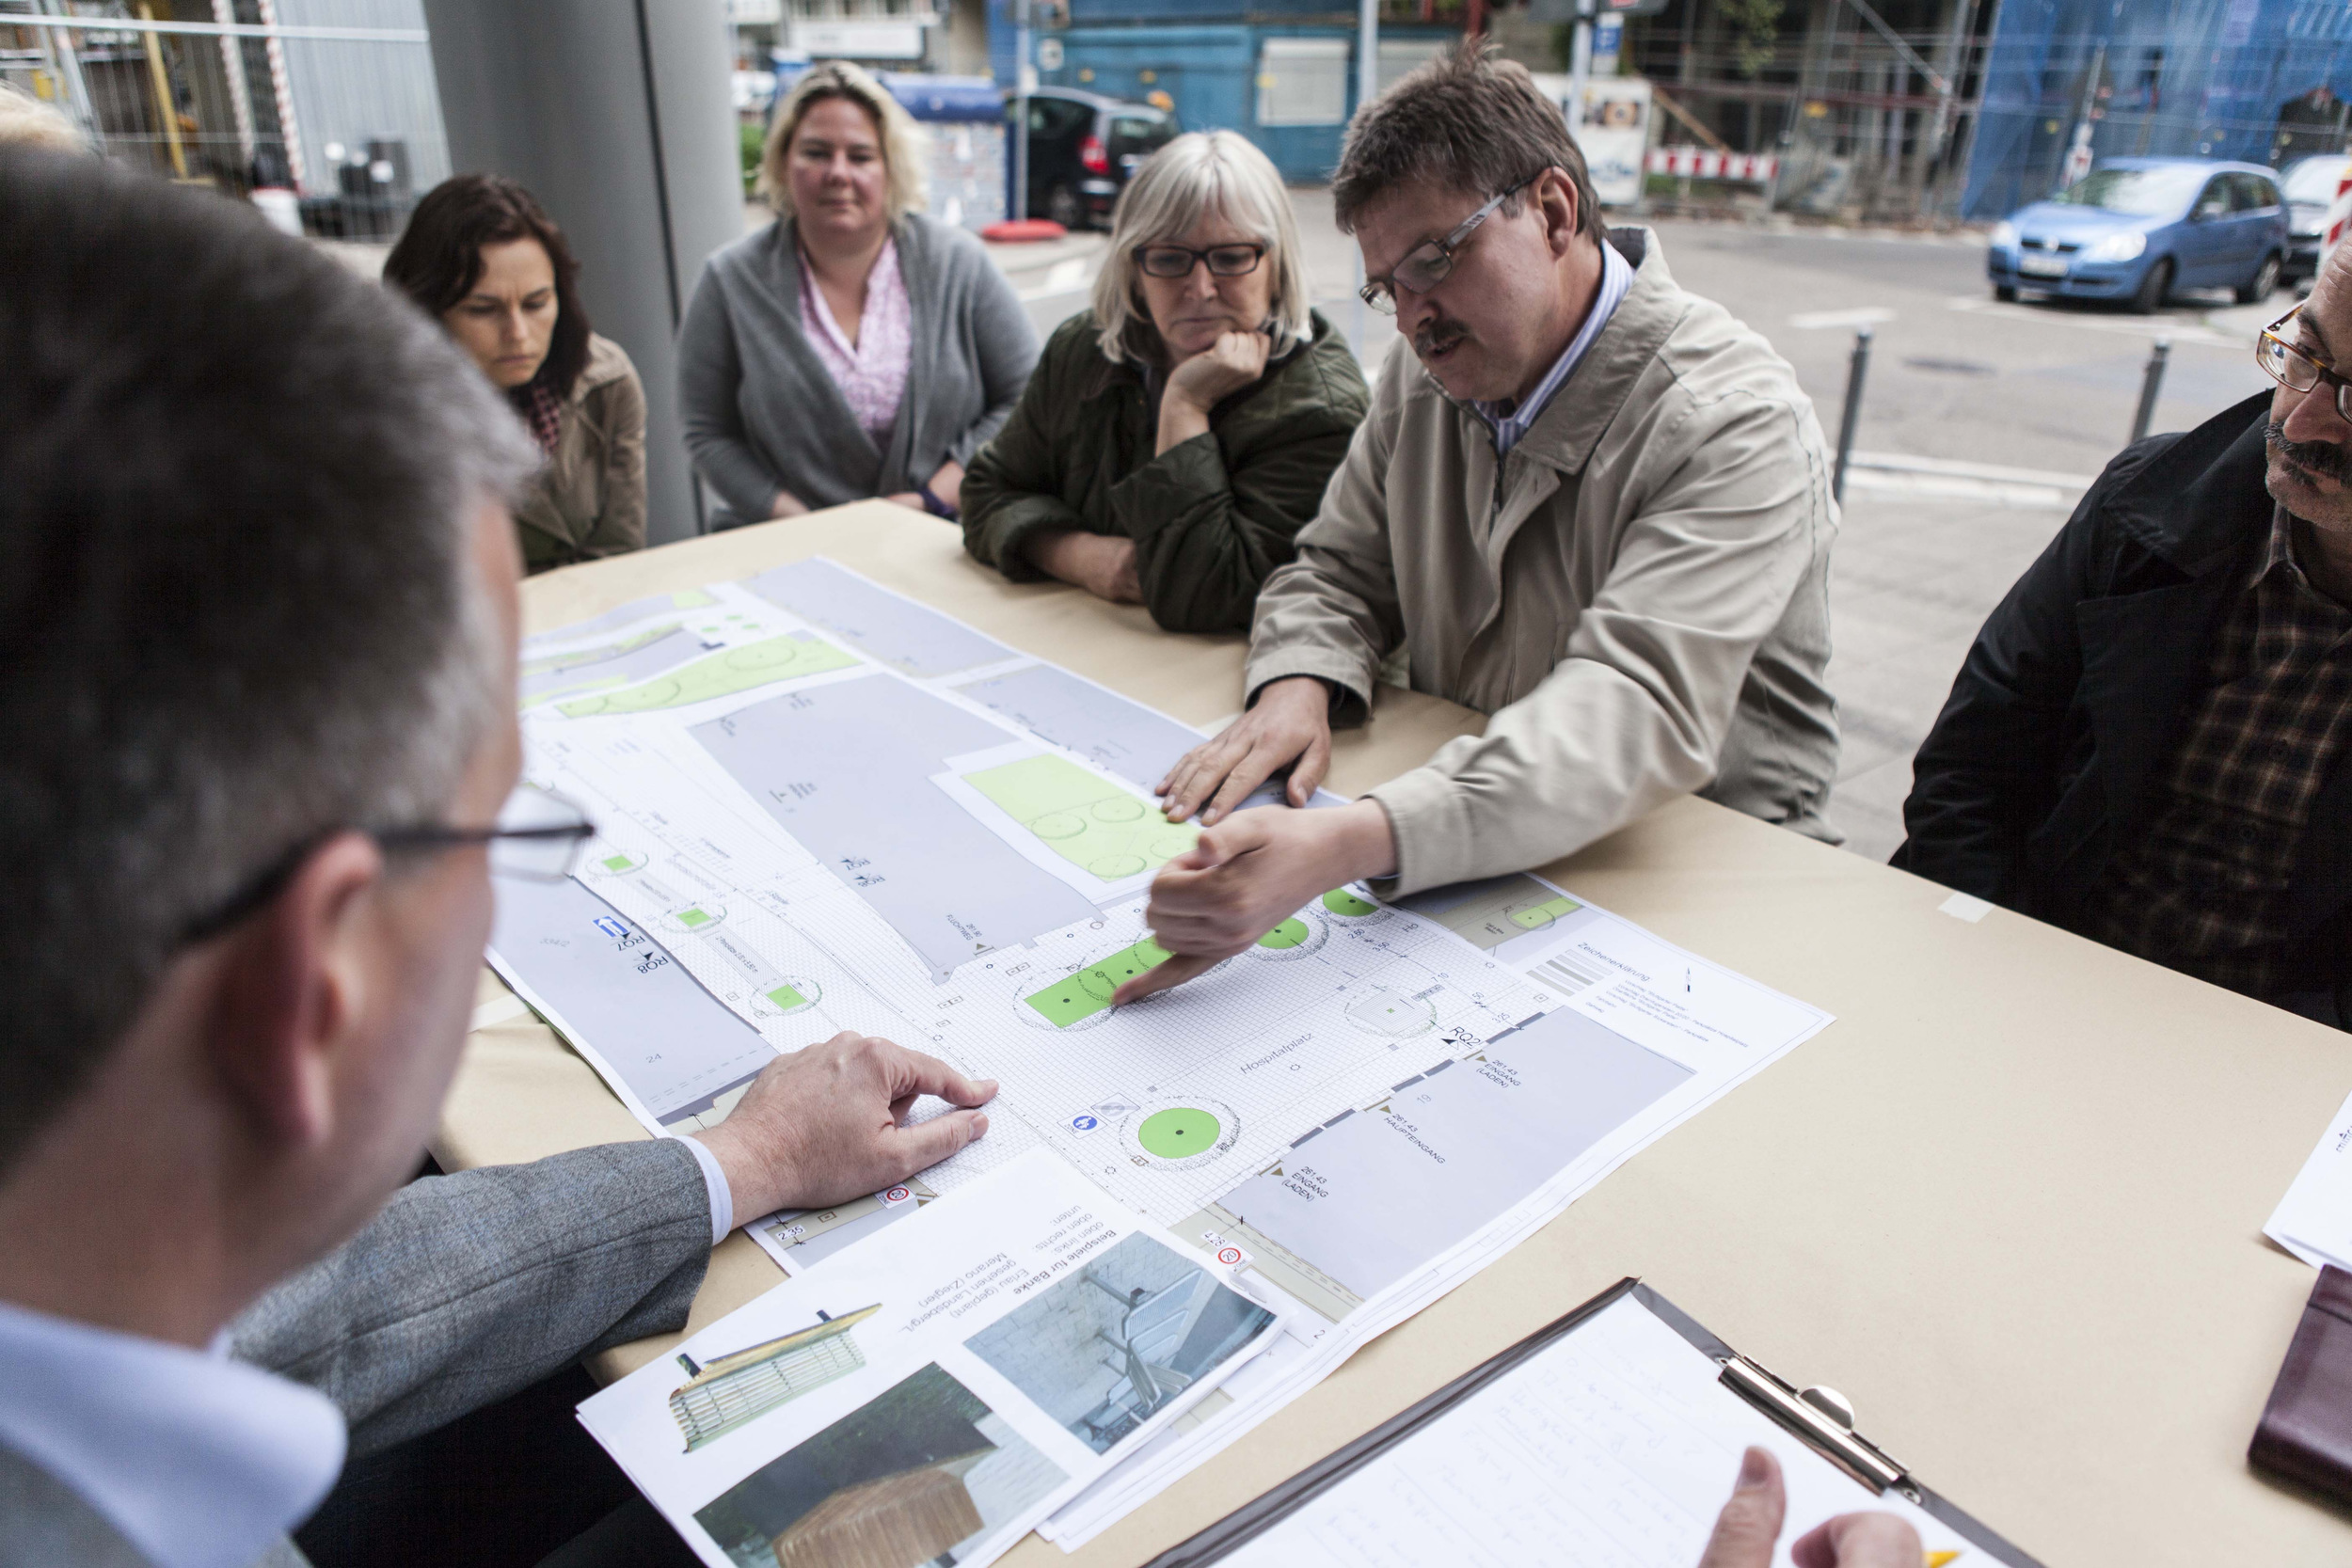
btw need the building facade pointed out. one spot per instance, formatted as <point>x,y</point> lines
<point>2264,81</point>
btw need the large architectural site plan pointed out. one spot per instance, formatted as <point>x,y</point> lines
<point>823,806</point>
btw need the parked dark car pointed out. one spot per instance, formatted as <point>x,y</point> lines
<point>2309,185</point>
<point>1082,150</point>
<point>2139,228</point>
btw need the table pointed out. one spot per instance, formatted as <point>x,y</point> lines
<point>2011,1202</point>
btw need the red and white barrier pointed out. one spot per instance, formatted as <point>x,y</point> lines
<point>2340,214</point>
<point>1698,163</point>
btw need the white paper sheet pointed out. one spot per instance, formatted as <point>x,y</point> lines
<point>938,1389</point>
<point>1615,1446</point>
<point>2314,1220</point>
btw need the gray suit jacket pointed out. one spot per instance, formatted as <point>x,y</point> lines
<point>464,1290</point>
<point>762,412</point>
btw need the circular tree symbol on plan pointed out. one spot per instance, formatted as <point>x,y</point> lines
<point>1174,1134</point>
<point>1348,906</point>
<point>1294,937</point>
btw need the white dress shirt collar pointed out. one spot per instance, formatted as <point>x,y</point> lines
<point>198,1461</point>
<point>1616,278</point>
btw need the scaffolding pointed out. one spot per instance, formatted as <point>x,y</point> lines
<point>1869,106</point>
<point>1933,111</point>
<point>332,102</point>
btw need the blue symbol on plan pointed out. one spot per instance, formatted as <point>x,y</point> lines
<point>611,927</point>
<point>1084,1124</point>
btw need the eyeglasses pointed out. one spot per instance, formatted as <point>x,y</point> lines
<point>2298,369</point>
<point>1429,264</point>
<point>538,838</point>
<point>1177,260</point>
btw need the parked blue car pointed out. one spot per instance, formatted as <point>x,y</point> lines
<point>2140,229</point>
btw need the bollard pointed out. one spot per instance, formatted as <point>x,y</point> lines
<point>1855,370</point>
<point>2151,382</point>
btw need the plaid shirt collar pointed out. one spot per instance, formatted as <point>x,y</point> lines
<point>2205,886</point>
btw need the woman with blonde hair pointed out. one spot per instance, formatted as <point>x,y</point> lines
<point>855,348</point>
<point>1177,435</point>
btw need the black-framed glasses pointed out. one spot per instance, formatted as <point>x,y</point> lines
<point>1177,260</point>
<point>1429,264</point>
<point>538,838</point>
<point>2298,369</point>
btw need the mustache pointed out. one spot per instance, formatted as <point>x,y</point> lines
<point>1436,337</point>
<point>2324,458</point>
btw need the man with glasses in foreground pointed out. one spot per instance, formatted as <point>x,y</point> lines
<point>1585,503</point>
<point>2147,742</point>
<point>259,623</point>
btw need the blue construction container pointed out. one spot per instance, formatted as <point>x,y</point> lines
<point>1283,75</point>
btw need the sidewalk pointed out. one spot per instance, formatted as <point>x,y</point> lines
<point>1912,579</point>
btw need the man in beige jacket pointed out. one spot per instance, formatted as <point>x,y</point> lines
<point>1598,509</point>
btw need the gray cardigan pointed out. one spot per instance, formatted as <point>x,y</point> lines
<point>763,414</point>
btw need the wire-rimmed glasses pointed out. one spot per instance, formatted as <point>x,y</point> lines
<point>2298,369</point>
<point>538,838</point>
<point>1429,264</point>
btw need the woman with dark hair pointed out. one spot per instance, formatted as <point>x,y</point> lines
<point>484,259</point>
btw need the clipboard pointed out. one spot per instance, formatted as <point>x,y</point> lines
<point>1818,1417</point>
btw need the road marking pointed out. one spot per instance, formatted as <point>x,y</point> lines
<point>1866,315</point>
<point>1881,473</point>
<point>1952,468</point>
<point>1062,277</point>
<point>1984,492</point>
<point>2172,328</point>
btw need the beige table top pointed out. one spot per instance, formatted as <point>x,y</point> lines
<point>2011,1202</point>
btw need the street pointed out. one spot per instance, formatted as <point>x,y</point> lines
<point>1981,424</point>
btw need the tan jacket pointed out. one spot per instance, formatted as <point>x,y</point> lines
<point>589,500</point>
<point>1639,597</point>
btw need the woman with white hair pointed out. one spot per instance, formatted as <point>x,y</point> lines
<point>855,348</point>
<point>1176,437</point>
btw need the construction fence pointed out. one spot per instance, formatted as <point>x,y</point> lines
<point>1942,111</point>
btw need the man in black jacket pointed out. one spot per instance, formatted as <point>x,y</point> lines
<point>2147,743</point>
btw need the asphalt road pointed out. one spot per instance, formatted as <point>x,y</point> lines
<point>1954,374</point>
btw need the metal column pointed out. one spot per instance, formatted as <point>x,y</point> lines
<point>616,113</point>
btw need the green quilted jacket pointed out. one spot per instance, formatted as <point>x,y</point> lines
<point>1211,517</point>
